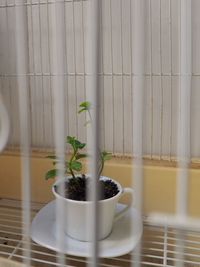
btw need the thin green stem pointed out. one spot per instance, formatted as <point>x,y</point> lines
<point>99,151</point>
<point>102,166</point>
<point>71,160</point>
<point>72,173</point>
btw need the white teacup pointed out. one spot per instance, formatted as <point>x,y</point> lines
<point>4,125</point>
<point>78,223</point>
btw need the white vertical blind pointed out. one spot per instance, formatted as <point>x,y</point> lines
<point>162,53</point>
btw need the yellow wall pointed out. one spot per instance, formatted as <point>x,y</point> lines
<point>159,182</point>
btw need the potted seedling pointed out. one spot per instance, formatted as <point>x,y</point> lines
<point>76,186</point>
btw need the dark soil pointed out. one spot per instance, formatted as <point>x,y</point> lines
<point>76,189</point>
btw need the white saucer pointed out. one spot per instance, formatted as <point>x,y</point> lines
<point>118,243</point>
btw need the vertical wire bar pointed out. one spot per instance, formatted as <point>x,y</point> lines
<point>102,79</point>
<point>50,83</point>
<point>122,43</point>
<point>184,109</point>
<point>161,86</point>
<point>33,82</point>
<point>93,56</point>
<point>42,71</point>
<point>24,110</point>
<point>165,246</point>
<point>131,70</point>
<point>113,92</point>
<point>151,76</point>
<point>8,70</point>
<point>66,91</point>
<point>138,85</point>
<point>75,61</point>
<point>171,83</point>
<point>49,62</point>
<point>57,25</point>
<point>84,59</point>
<point>184,122</point>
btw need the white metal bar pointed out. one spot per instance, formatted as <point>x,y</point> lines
<point>161,85</point>
<point>93,58</point>
<point>9,83</point>
<point>171,74</point>
<point>49,62</point>
<point>41,66</point>
<point>67,101</point>
<point>122,43</point>
<point>84,58</point>
<point>56,12</point>
<point>102,80</point>
<point>75,62</point>
<point>22,67</point>
<point>138,47</point>
<point>33,80</point>
<point>111,52</point>
<point>151,74</point>
<point>184,108</point>
<point>183,123</point>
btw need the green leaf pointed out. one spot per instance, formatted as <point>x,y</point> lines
<point>76,165</point>
<point>106,155</point>
<point>81,156</point>
<point>76,144</point>
<point>51,174</point>
<point>81,110</point>
<point>70,140</point>
<point>84,106</point>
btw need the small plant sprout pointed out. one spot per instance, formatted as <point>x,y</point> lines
<point>74,164</point>
<point>86,107</point>
<point>103,155</point>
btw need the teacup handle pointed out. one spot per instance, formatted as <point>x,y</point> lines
<point>126,190</point>
<point>4,125</point>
